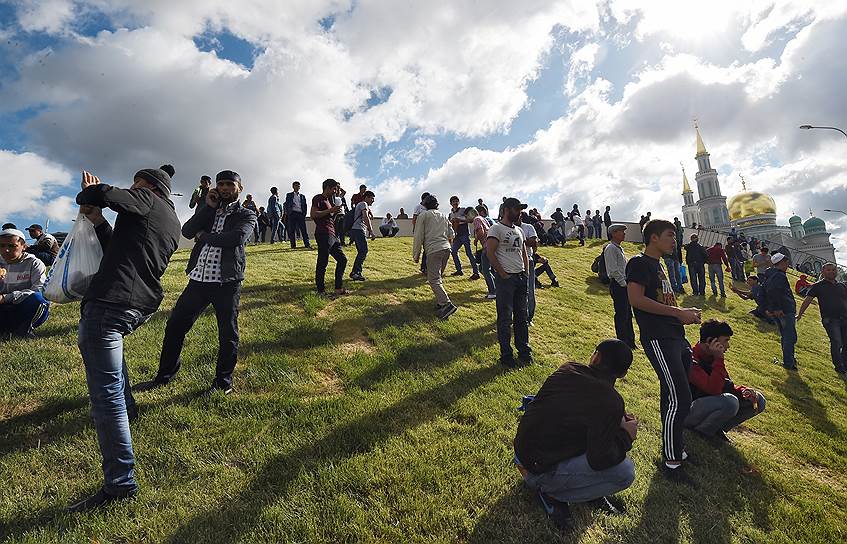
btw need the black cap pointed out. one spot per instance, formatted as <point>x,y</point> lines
<point>513,203</point>
<point>157,177</point>
<point>228,175</point>
<point>35,226</point>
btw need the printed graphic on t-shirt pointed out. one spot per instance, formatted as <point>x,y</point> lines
<point>668,296</point>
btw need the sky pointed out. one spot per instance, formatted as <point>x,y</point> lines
<point>554,102</point>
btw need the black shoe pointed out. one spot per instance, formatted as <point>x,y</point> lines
<point>447,310</point>
<point>610,505</point>
<point>357,277</point>
<point>558,512</point>
<point>155,383</point>
<point>474,277</point>
<point>555,283</point>
<point>676,475</point>
<point>722,437</point>
<point>458,273</point>
<point>98,500</point>
<point>841,370</point>
<point>225,389</point>
<point>538,285</point>
<point>509,363</point>
<point>526,361</point>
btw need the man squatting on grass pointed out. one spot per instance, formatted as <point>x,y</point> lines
<point>719,405</point>
<point>663,337</point>
<point>433,235</point>
<point>572,440</point>
<point>215,272</point>
<point>122,296</point>
<point>22,277</point>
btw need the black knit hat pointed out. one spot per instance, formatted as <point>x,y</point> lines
<point>228,175</point>
<point>157,177</point>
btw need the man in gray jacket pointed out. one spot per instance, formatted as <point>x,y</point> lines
<point>616,270</point>
<point>215,272</point>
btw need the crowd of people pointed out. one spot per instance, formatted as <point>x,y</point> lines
<point>572,441</point>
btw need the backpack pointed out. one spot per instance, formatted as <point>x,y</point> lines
<point>350,218</point>
<point>599,267</point>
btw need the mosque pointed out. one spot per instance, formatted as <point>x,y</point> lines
<point>754,214</point>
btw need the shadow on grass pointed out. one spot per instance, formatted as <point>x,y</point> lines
<point>236,515</point>
<point>800,395</point>
<point>595,287</point>
<point>725,483</point>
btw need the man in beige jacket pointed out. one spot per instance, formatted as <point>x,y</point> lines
<point>434,234</point>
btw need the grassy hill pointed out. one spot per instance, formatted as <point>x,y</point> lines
<point>364,419</point>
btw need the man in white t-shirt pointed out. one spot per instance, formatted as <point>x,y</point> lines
<point>507,253</point>
<point>531,242</point>
<point>580,228</point>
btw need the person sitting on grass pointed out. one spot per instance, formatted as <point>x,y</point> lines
<point>719,404</point>
<point>573,438</point>
<point>22,277</point>
<point>543,267</point>
<point>46,248</point>
<point>755,294</point>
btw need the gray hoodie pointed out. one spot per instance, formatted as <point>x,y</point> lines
<point>23,278</point>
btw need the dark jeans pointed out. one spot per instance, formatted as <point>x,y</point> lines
<point>196,297</point>
<point>361,241</point>
<point>102,328</point>
<point>458,242</point>
<point>297,222</point>
<point>45,257</point>
<point>545,268</point>
<point>21,318</point>
<point>512,310</point>
<point>697,275</point>
<point>623,314</point>
<point>671,359</point>
<point>836,329</point>
<point>263,231</point>
<point>328,245</point>
<point>274,227</point>
<point>388,232</point>
<point>787,326</point>
<point>581,233</point>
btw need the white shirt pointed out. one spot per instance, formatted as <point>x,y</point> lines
<point>386,222</point>
<point>359,216</point>
<point>577,220</point>
<point>529,232</point>
<point>510,249</point>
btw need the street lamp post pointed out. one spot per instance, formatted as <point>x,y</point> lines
<point>809,127</point>
<point>836,211</point>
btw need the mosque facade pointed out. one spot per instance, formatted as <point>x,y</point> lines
<point>754,214</point>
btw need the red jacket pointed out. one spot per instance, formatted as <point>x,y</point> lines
<point>708,376</point>
<point>716,255</point>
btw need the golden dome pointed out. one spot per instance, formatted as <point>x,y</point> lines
<point>749,204</point>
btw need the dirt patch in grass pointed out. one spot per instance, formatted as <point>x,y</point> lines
<point>328,383</point>
<point>8,410</point>
<point>352,338</point>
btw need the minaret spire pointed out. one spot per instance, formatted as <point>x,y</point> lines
<point>701,148</point>
<point>686,188</point>
<point>743,182</point>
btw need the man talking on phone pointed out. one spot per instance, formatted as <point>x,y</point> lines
<point>215,271</point>
<point>325,206</point>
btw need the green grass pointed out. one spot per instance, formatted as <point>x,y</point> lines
<point>364,419</point>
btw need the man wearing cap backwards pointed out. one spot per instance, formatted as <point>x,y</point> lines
<point>122,295</point>
<point>22,276</point>
<point>615,259</point>
<point>45,247</point>
<point>215,271</point>
<point>781,305</point>
<point>508,257</point>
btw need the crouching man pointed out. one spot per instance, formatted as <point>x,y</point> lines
<point>572,441</point>
<point>719,405</point>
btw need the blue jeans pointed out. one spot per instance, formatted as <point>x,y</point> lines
<point>716,270</point>
<point>573,480</point>
<point>787,326</point>
<point>673,274</point>
<point>297,222</point>
<point>530,296</point>
<point>358,236</point>
<point>459,241</point>
<point>721,412</point>
<point>512,310</point>
<point>487,272</point>
<point>101,341</point>
<point>21,318</point>
<point>275,234</point>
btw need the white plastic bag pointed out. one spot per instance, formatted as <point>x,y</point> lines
<point>77,263</point>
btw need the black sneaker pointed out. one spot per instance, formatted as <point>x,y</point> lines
<point>526,361</point>
<point>721,436</point>
<point>555,283</point>
<point>676,475</point>
<point>447,310</point>
<point>474,277</point>
<point>610,505</point>
<point>458,273</point>
<point>155,383</point>
<point>558,512</point>
<point>98,500</point>
<point>509,363</point>
<point>225,389</point>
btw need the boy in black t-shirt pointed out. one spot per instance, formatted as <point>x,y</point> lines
<point>663,337</point>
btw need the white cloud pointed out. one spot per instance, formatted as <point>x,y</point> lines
<point>50,16</point>
<point>29,185</point>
